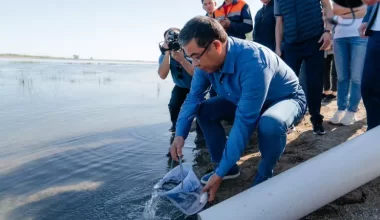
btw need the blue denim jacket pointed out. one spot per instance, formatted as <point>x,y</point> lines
<point>251,76</point>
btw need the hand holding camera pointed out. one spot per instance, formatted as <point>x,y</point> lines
<point>179,56</point>
<point>171,42</point>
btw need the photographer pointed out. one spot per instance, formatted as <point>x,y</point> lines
<point>173,59</point>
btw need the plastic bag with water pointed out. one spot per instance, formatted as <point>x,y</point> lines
<point>183,189</point>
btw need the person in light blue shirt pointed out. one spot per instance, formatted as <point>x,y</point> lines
<point>255,87</point>
<point>179,66</point>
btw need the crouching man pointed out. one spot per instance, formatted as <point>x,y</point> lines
<point>255,87</point>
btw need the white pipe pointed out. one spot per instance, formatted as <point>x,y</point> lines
<point>307,187</point>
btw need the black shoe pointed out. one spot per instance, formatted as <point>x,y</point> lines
<point>318,129</point>
<point>172,138</point>
<point>171,141</point>
<point>329,98</point>
<point>199,139</point>
<point>172,129</point>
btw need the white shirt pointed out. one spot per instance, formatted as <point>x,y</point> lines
<point>347,31</point>
<point>376,24</point>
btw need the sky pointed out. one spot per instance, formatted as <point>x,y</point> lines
<point>102,29</point>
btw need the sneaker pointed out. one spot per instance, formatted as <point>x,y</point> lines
<point>232,174</point>
<point>199,139</point>
<point>329,98</point>
<point>172,129</point>
<point>337,117</point>
<point>349,118</point>
<point>318,129</point>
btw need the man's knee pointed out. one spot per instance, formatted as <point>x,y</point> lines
<point>203,111</point>
<point>270,126</point>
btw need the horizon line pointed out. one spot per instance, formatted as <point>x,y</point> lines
<point>15,55</point>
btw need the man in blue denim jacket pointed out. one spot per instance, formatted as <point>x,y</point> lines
<point>254,86</point>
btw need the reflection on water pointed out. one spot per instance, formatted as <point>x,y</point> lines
<point>83,141</point>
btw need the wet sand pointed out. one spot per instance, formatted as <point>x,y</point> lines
<point>361,204</point>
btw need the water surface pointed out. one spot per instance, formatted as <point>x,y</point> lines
<point>83,140</point>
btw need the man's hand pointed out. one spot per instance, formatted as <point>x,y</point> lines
<point>165,45</point>
<point>212,186</point>
<point>179,56</point>
<point>176,148</point>
<point>225,23</point>
<point>362,28</point>
<point>326,38</point>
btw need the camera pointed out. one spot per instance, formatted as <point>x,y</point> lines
<point>173,43</point>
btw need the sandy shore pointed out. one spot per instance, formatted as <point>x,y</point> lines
<point>362,203</point>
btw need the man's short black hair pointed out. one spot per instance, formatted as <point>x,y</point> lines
<point>204,30</point>
<point>171,29</point>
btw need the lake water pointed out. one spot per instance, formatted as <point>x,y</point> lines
<point>83,140</point>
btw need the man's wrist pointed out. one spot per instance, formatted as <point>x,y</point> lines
<point>180,134</point>
<point>220,173</point>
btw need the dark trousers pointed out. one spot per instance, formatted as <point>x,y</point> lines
<point>330,77</point>
<point>177,99</point>
<point>370,85</point>
<point>312,58</point>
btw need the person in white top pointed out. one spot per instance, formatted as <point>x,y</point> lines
<point>349,54</point>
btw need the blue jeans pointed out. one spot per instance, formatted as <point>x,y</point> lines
<point>371,79</point>
<point>272,128</point>
<point>349,62</point>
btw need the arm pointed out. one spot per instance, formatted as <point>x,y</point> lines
<point>187,66</point>
<point>245,26</point>
<point>164,62</point>
<point>199,85</point>
<point>328,12</point>
<point>255,80</point>
<point>279,32</point>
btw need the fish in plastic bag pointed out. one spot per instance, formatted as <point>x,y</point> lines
<point>184,189</point>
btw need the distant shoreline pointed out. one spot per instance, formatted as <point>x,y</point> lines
<point>23,56</point>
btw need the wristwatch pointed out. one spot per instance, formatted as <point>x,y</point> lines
<point>326,30</point>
